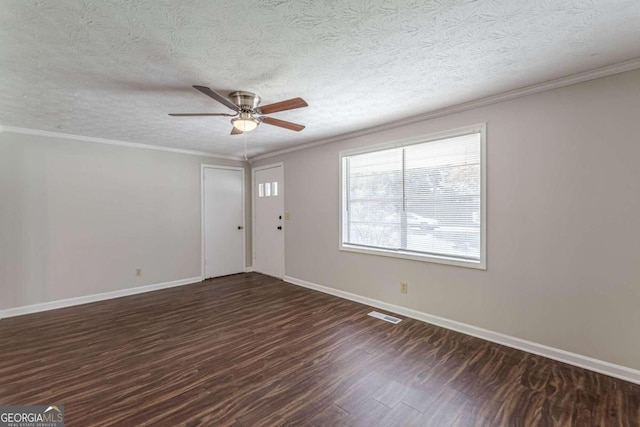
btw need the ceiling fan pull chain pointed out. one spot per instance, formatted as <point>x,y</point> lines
<point>245,145</point>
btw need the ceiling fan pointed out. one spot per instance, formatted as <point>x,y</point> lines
<point>248,112</point>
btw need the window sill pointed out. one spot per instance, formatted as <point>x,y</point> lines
<point>479,265</point>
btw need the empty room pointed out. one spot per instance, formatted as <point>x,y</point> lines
<point>319,213</point>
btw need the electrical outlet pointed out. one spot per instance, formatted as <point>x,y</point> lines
<point>138,272</point>
<point>404,287</point>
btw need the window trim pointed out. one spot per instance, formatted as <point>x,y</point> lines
<point>480,128</point>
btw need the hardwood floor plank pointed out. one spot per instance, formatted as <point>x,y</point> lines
<point>251,350</point>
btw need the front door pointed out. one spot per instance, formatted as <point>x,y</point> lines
<point>268,202</point>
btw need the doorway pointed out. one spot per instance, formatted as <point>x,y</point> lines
<point>268,220</point>
<point>223,225</point>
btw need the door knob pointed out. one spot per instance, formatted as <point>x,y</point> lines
<point>279,227</point>
<point>240,227</point>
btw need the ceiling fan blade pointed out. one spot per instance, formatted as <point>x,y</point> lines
<point>235,131</point>
<point>289,104</point>
<point>215,95</point>
<point>282,123</point>
<point>200,114</point>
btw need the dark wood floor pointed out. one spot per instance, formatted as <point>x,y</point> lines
<point>251,350</point>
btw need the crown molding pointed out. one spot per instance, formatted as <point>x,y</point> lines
<point>458,108</point>
<point>37,132</point>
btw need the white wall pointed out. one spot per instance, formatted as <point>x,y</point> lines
<point>563,223</point>
<point>78,218</point>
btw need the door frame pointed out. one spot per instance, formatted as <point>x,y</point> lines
<point>253,214</point>
<point>204,166</point>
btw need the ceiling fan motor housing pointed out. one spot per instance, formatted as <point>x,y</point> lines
<point>247,101</point>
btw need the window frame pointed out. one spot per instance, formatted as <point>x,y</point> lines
<point>480,128</point>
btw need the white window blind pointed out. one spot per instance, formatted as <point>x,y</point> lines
<point>422,200</point>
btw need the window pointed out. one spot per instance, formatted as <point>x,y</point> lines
<point>268,189</point>
<point>421,199</point>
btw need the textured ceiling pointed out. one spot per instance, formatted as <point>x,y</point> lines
<point>114,69</point>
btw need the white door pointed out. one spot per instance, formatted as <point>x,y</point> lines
<point>268,205</point>
<point>223,221</point>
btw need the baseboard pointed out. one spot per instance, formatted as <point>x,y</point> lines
<point>248,269</point>
<point>52,305</point>
<point>600,366</point>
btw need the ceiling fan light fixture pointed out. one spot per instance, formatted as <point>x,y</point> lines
<point>245,122</point>
<point>245,125</point>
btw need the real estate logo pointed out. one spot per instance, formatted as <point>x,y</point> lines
<point>32,416</point>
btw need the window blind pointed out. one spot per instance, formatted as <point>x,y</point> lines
<point>422,199</point>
